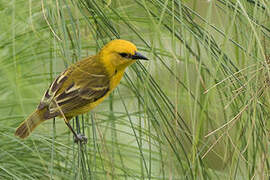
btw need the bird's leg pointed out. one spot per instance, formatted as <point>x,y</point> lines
<point>77,137</point>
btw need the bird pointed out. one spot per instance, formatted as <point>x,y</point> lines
<point>82,86</point>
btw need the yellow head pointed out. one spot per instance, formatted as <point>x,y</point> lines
<point>120,53</point>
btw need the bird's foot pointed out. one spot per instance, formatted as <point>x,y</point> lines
<point>80,138</point>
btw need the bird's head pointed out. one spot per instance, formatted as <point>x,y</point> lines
<point>120,53</point>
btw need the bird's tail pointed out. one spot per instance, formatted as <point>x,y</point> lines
<point>28,125</point>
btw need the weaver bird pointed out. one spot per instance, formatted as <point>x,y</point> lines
<point>83,86</point>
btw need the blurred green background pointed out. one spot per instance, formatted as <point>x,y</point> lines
<point>199,109</point>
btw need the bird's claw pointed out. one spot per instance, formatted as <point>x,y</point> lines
<point>80,138</point>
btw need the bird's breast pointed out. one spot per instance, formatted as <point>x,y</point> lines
<point>115,79</point>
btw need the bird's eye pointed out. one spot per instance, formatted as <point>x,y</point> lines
<point>124,55</point>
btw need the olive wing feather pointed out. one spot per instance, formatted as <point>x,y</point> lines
<point>83,83</point>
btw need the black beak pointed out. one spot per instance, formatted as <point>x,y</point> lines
<point>138,56</point>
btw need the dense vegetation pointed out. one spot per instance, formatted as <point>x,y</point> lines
<point>199,109</point>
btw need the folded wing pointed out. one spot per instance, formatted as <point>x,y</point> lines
<point>76,87</point>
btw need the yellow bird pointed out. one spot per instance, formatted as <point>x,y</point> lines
<point>83,86</point>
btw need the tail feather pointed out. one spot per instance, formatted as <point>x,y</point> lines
<point>27,126</point>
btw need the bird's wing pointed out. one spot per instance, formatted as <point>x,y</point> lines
<point>83,83</point>
<point>53,89</point>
